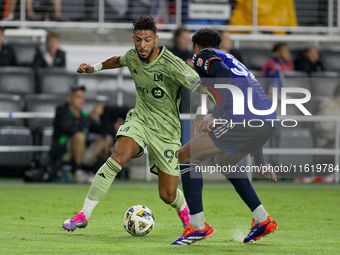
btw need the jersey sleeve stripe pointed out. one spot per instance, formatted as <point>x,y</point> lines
<point>173,61</point>
<point>213,58</point>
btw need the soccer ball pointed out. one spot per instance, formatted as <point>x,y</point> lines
<point>139,220</point>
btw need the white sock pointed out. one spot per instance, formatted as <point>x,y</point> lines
<point>260,214</point>
<point>183,206</point>
<point>197,221</point>
<point>89,205</point>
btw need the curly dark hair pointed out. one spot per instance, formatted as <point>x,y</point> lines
<point>278,46</point>
<point>145,22</point>
<point>207,38</point>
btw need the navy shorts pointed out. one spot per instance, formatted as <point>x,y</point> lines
<point>239,138</point>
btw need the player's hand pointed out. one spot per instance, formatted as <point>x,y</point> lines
<point>195,125</point>
<point>268,171</point>
<point>206,124</point>
<point>97,110</point>
<point>85,68</point>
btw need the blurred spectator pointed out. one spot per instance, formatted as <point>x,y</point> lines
<point>31,15</point>
<point>112,117</point>
<point>7,56</point>
<point>181,41</point>
<point>269,13</point>
<point>280,62</point>
<point>326,130</point>
<point>275,67</point>
<point>309,61</point>
<point>71,126</point>
<point>50,55</point>
<point>226,45</point>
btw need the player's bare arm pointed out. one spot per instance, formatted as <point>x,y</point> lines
<point>206,124</point>
<point>268,172</point>
<point>110,63</point>
<point>195,129</point>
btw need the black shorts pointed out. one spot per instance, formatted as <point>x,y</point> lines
<point>239,138</point>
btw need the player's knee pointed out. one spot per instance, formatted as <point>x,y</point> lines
<point>119,159</point>
<point>183,155</point>
<point>167,197</point>
<point>119,156</point>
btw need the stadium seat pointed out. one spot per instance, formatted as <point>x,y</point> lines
<point>42,103</point>
<point>74,9</point>
<point>330,59</point>
<point>129,98</point>
<point>47,136</point>
<point>291,109</point>
<point>11,103</point>
<point>324,83</point>
<point>25,52</point>
<point>313,104</point>
<point>56,80</point>
<point>296,79</point>
<point>308,12</point>
<point>295,52</point>
<point>254,58</point>
<point>17,80</point>
<point>294,138</point>
<point>128,83</point>
<point>99,83</point>
<point>90,102</point>
<point>15,136</point>
<point>260,78</point>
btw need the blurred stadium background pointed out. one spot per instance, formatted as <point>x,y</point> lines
<point>95,29</point>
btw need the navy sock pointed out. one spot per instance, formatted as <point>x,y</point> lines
<point>192,183</point>
<point>243,187</point>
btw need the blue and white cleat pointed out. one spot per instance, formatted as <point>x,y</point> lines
<point>78,221</point>
<point>261,229</point>
<point>191,235</point>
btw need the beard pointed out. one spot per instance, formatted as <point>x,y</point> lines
<point>147,57</point>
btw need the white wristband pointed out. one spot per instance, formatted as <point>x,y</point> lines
<point>201,110</point>
<point>97,67</point>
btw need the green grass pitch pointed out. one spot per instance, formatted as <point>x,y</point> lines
<point>31,216</point>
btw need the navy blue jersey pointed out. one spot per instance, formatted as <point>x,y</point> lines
<point>235,73</point>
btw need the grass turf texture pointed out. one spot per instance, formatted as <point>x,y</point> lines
<point>31,216</point>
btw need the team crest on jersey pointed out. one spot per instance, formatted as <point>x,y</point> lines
<point>157,92</point>
<point>135,66</point>
<point>157,77</point>
<point>199,62</point>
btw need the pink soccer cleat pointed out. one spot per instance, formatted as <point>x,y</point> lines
<point>78,221</point>
<point>184,215</point>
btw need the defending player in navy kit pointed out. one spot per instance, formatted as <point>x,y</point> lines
<point>228,143</point>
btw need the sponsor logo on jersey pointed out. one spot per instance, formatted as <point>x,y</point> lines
<point>200,62</point>
<point>157,77</point>
<point>135,66</point>
<point>206,64</point>
<point>142,90</point>
<point>157,92</point>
